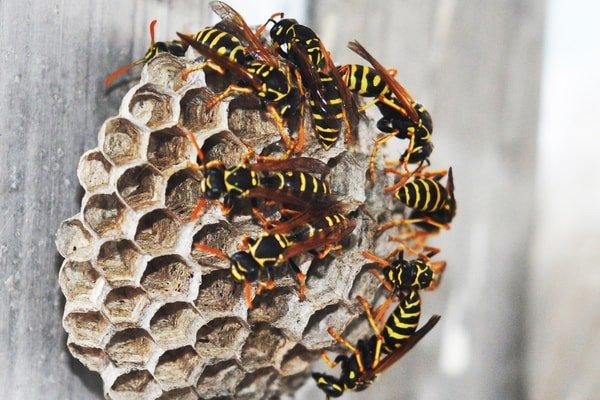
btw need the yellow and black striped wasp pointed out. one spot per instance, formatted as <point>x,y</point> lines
<point>433,206</point>
<point>259,256</point>
<point>401,117</point>
<point>174,47</point>
<point>371,357</point>
<point>331,105</point>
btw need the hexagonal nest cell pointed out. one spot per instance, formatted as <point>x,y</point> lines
<point>177,368</point>
<point>104,214</point>
<point>118,260</point>
<point>157,232</point>
<point>124,305</point>
<point>183,192</point>
<point>152,105</point>
<point>175,324</point>
<point>94,171</point>
<point>121,141</point>
<point>168,147</point>
<point>141,186</point>
<point>161,319</point>
<point>194,114</point>
<point>135,384</point>
<point>130,347</point>
<point>77,279</point>
<point>86,328</point>
<point>167,277</point>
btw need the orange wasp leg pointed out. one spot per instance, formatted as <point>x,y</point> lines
<point>185,73</point>
<point>342,340</point>
<point>373,157</point>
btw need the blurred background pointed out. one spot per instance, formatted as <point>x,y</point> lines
<point>514,90</point>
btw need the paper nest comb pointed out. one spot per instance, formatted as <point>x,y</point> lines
<point>155,317</point>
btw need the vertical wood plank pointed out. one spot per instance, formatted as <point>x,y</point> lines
<point>55,56</point>
<point>476,67</point>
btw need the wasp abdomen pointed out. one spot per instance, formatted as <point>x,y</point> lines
<point>422,194</point>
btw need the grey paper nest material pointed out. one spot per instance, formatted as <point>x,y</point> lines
<point>152,315</point>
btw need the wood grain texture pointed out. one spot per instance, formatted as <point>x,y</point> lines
<point>55,56</point>
<point>476,66</point>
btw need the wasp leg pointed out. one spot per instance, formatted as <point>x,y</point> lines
<point>247,241</point>
<point>400,222</point>
<point>198,209</point>
<point>281,128</point>
<point>429,252</point>
<point>301,279</point>
<point>344,342</point>
<point>328,249</point>
<point>438,268</point>
<point>331,363</point>
<point>211,250</point>
<point>197,147</point>
<point>368,104</point>
<point>185,73</point>
<point>392,72</point>
<point>373,157</point>
<point>226,93</point>
<point>269,284</point>
<point>381,261</point>
<point>248,295</point>
<point>403,246</point>
<point>262,28</point>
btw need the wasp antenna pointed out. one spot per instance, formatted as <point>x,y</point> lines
<point>118,72</point>
<point>152,29</point>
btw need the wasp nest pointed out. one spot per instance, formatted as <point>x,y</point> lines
<point>154,316</point>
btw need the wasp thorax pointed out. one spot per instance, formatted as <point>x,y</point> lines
<point>213,184</point>
<point>244,267</point>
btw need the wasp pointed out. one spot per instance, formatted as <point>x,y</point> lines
<point>433,206</point>
<point>259,256</point>
<point>174,47</point>
<point>401,117</point>
<point>291,182</point>
<point>371,357</point>
<point>331,105</point>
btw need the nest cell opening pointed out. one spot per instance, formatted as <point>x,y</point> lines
<point>87,326</point>
<point>175,367</point>
<point>125,304</point>
<point>165,70</point>
<point>220,379</point>
<point>130,346</point>
<point>221,338</point>
<point>315,334</point>
<point>194,114</point>
<point>157,232</point>
<point>179,394</point>
<point>296,361</point>
<point>167,276</point>
<point>175,324</point>
<point>93,358</point>
<point>183,192</point>
<point>262,347</point>
<point>94,171</point>
<point>140,187</point>
<point>151,105</point>
<point>117,260</point>
<point>218,294</point>
<point>168,147</point>
<point>136,382</point>
<point>256,383</point>
<point>121,141</point>
<point>74,241</point>
<point>104,214</point>
<point>272,305</point>
<point>77,279</point>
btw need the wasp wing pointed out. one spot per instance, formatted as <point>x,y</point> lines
<point>397,89</point>
<point>406,346</point>
<point>302,164</point>
<point>221,60</point>
<point>238,26</point>
<point>321,239</point>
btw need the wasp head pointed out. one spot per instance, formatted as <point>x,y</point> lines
<point>213,183</point>
<point>244,267</point>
